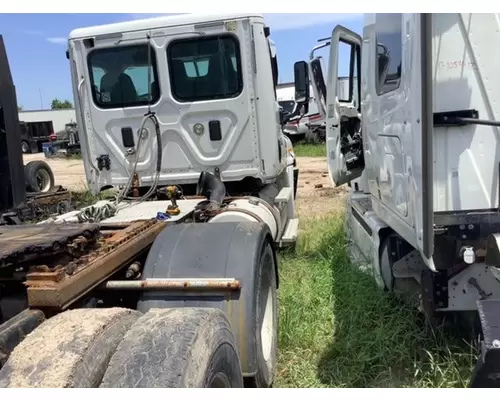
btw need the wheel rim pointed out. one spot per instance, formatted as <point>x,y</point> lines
<point>219,381</point>
<point>43,180</point>
<point>24,147</point>
<point>267,329</point>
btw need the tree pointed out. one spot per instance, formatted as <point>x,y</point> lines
<point>58,104</point>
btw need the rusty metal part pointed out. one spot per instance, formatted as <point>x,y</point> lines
<point>58,289</point>
<point>176,285</point>
<point>22,243</point>
<point>135,185</point>
<point>51,198</point>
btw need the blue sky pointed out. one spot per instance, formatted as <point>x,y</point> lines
<point>36,45</point>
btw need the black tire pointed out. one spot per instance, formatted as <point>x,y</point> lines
<point>25,147</point>
<point>267,353</point>
<point>176,348</point>
<point>71,349</point>
<point>39,177</point>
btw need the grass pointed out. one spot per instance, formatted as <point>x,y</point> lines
<point>338,329</point>
<point>302,149</point>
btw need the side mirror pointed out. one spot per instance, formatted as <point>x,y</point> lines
<point>301,78</point>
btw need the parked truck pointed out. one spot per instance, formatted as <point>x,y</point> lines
<point>417,139</point>
<point>34,134</point>
<point>174,282</point>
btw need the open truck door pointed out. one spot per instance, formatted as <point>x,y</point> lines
<point>316,68</point>
<point>344,140</point>
<point>343,112</point>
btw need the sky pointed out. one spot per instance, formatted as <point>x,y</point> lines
<point>36,46</point>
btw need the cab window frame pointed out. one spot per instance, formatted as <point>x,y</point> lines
<point>155,96</point>
<point>197,39</point>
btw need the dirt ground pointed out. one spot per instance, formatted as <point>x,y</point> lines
<point>315,197</point>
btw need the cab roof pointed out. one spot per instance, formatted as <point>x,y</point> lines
<point>158,23</point>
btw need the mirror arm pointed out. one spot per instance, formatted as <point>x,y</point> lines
<point>317,47</point>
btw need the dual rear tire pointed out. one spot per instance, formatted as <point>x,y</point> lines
<point>120,348</point>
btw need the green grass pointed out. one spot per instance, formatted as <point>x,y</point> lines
<point>309,150</point>
<point>338,329</point>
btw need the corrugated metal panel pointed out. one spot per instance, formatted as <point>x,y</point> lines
<point>59,118</point>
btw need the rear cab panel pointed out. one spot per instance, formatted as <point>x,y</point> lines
<point>201,72</point>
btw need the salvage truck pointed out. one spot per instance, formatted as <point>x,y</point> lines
<point>418,141</point>
<point>173,282</point>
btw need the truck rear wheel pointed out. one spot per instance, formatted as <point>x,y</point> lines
<point>177,348</point>
<point>71,349</point>
<point>238,250</point>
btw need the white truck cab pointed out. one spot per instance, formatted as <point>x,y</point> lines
<point>418,141</point>
<point>162,101</point>
<point>208,79</point>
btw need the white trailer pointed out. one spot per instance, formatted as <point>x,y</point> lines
<point>418,140</point>
<point>180,114</point>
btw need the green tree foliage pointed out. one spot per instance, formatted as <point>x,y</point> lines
<point>58,104</point>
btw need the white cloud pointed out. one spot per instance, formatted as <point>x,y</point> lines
<point>282,22</point>
<point>57,40</point>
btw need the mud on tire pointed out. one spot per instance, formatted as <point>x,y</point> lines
<point>176,348</point>
<point>71,349</point>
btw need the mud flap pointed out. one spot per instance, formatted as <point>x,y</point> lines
<point>486,374</point>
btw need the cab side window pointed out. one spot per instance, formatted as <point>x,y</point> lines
<point>389,42</point>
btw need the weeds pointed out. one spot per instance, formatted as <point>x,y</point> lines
<point>302,149</point>
<point>338,329</point>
